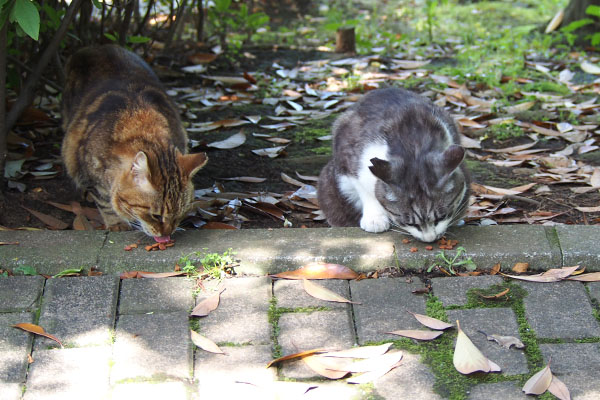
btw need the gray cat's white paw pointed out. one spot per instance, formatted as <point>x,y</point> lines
<point>375,223</point>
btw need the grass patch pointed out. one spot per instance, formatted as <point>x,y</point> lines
<point>504,131</point>
<point>274,314</point>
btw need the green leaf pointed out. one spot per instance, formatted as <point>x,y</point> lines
<point>222,5</point>
<point>97,4</point>
<point>110,36</point>
<point>593,10</point>
<point>25,270</point>
<point>573,26</point>
<point>26,14</point>
<point>137,39</point>
<point>72,271</point>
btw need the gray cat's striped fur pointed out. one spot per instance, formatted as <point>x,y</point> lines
<point>396,162</point>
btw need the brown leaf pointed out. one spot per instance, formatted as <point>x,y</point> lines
<point>380,367</point>
<point>552,275</point>
<point>38,330</point>
<point>231,142</point>
<point>201,58</point>
<point>81,223</point>
<point>495,269</point>
<point>327,367</point>
<point>132,274</point>
<point>505,341</point>
<point>589,277</point>
<point>159,275</point>
<point>520,267</point>
<point>494,296</point>
<point>318,270</point>
<point>288,179</point>
<point>360,352</point>
<point>207,305</point>
<point>539,382</point>
<point>559,389</point>
<point>8,243</point>
<point>247,179</point>
<point>53,223</point>
<point>468,358</point>
<point>294,355</point>
<point>417,334</point>
<point>431,322</point>
<point>205,343</point>
<point>323,293</point>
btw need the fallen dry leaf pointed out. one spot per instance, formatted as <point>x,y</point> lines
<point>205,343</point>
<point>505,341</point>
<point>53,223</point>
<point>494,296</point>
<point>552,275</point>
<point>9,243</point>
<point>207,305</point>
<point>468,358</point>
<point>231,142</point>
<point>328,367</point>
<point>247,179</point>
<point>589,277</point>
<point>159,275</point>
<point>322,293</point>
<point>539,382</point>
<point>432,323</point>
<point>559,389</point>
<point>417,334</point>
<point>295,355</point>
<point>360,352</point>
<point>495,269</point>
<point>38,330</point>
<point>318,270</point>
<point>375,367</point>
<point>520,267</point>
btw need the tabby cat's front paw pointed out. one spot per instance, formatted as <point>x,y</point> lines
<point>375,223</point>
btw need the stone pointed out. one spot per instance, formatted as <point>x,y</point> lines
<point>242,314</point>
<point>291,294</point>
<point>151,390</point>
<point>51,251</point>
<point>492,321</point>
<point>20,293</point>
<point>497,391</point>
<point>224,376</point>
<point>316,330</point>
<point>15,345</point>
<point>384,306</point>
<point>80,311</point>
<point>420,379</point>
<point>594,289</point>
<point>152,346</point>
<point>577,366</point>
<point>65,374</point>
<point>545,307</point>
<point>579,245</point>
<point>157,295</point>
<point>453,290</point>
<point>10,391</point>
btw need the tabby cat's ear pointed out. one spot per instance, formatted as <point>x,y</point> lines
<point>141,171</point>
<point>191,163</point>
<point>452,157</point>
<point>381,169</point>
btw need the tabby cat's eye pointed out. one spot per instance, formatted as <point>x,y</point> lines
<point>156,217</point>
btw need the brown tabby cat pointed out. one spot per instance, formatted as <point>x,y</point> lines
<point>125,143</point>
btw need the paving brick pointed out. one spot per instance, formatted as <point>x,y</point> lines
<point>291,294</point>
<point>158,295</point>
<point>577,366</point>
<point>497,391</point>
<point>326,390</point>
<point>453,290</point>
<point>410,380</point>
<point>152,346</point>
<point>316,330</point>
<point>15,344</point>
<point>594,289</point>
<point>152,390</point>
<point>493,321</point>
<point>20,293</point>
<point>242,314</point>
<point>80,311</point>
<point>579,245</point>
<point>50,252</point>
<point>65,374</point>
<point>10,391</point>
<point>545,307</point>
<point>217,374</point>
<point>384,305</point>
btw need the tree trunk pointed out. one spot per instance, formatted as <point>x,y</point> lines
<point>575,11</point>
<point>345,41</point>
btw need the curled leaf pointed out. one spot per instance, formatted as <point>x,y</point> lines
<point>559,389</point>
<point>360,352</point>
<point>294,355</point>
<point>318,270</point>
<point>322,293</point>
<point>328,367</point>
<point>207,305</point>
<point>205,343</point>
<point>38,330</point>
<point>505,341</point>
<point>539,382</point>
<point>430,322</point>
<point>417,334</point>
<point>467,357</point>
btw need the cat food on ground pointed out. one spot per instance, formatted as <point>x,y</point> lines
<point>130,247</point>
<point>160,246</point>
<point>406,241</point>
<point>428,247</point>
<point>396,163</point>
<point>447,244</point>
<point>413,249</point>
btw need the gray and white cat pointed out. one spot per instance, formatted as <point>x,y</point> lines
<point>395,162</point>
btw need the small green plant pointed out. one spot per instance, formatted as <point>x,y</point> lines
<point>594,38</point>
<point>212,265</point>
<point>505,131</point>
<point>458,260</point>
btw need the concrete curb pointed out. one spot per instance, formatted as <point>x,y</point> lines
<point>269,251</point>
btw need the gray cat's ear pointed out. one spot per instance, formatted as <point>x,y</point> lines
<point>381,169</point>
<point>141,171</point>
<point>451,158</point>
